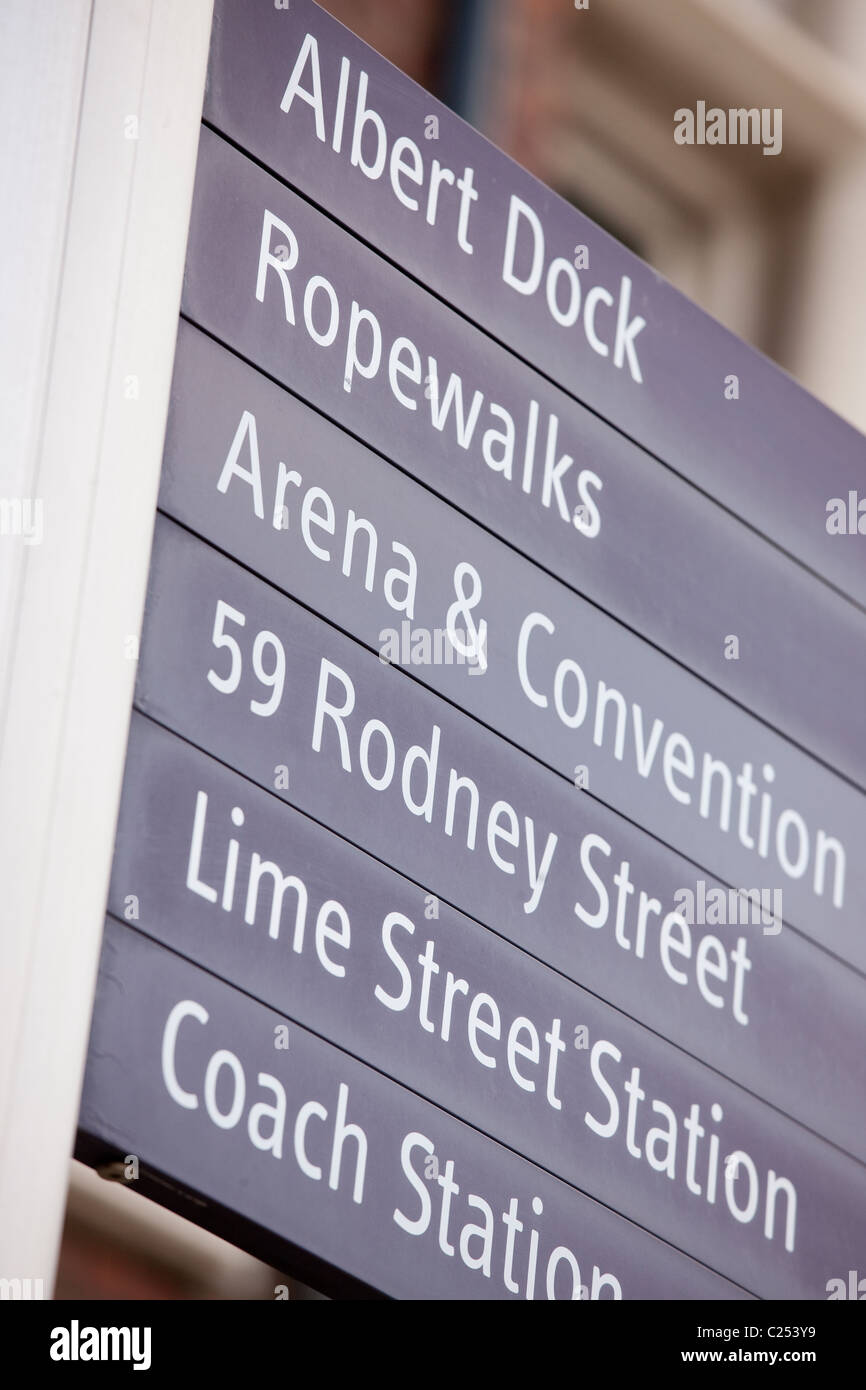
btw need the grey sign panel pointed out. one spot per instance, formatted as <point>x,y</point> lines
<point>307,1144</point>
<point>188,626</point>
<point>176,813</point>
<point>665,560</point>
<point>351,132</point>
<point>562,680</point>
<point>430,998</point>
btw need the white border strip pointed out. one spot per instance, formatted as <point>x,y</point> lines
<point>81,592</point>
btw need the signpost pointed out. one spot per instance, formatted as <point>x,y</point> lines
<point>523,460</point>
<point>341,125</point>
<point>533,968</point>
<point>302,1149</point>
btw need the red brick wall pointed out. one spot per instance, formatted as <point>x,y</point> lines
<point>524,82</point>
<point>409,33</point>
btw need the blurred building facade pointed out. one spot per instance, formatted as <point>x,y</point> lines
<point>584,96</point>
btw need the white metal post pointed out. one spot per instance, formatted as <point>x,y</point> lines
<point>104,101</point>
